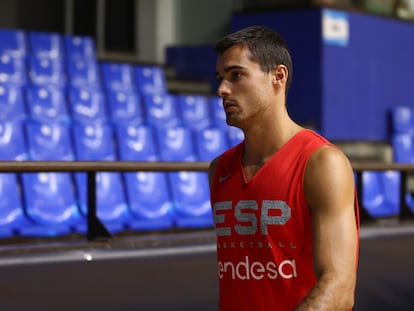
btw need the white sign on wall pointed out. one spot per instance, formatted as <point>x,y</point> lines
<point>335,27</point>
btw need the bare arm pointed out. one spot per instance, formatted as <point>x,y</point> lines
<point>330,192</point>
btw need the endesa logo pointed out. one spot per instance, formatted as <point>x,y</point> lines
<point>246,270</point>
<point>248,219</point>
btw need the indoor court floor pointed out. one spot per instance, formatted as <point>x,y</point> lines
<point>175,271</point>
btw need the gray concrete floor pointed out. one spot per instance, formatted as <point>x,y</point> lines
<point>174,271</point>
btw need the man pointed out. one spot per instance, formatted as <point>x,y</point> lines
<point>284,201</point>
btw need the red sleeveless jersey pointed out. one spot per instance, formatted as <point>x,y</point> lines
<point>263,227</point>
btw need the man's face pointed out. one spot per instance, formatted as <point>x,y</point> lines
<point>246,90</point>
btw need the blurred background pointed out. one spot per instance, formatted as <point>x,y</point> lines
<point>134,80</point>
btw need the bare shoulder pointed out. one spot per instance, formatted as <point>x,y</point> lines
<point>212,170</point>
<point>329,178</point>
<point>327,157</point>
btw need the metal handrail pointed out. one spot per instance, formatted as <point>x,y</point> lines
<point>99,166</point>
<point>97,230</point>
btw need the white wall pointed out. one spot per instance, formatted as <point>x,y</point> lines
<point>156,29</point>
<point>159,23</point>
<point>204,21</point>
<point>165,22</point>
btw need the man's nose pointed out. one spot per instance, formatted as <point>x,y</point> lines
<point>223,89</point>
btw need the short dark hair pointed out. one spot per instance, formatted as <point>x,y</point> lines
<point>268,48</point>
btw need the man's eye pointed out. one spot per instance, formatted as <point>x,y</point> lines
<point>236,75</point>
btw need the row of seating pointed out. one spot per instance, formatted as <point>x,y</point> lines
<point>88,89</point>
<point>33,140</point>
<point>87,105</point>
<point>58,102</point>
<point>43,58</point>
<point>55,203</point>
<point>80,72</point>
<point>381,189</point>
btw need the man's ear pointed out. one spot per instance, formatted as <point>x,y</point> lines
<point>280,74</point>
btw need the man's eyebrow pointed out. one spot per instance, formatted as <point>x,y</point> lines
<point>230,68</point>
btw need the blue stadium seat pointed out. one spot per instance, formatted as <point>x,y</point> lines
<point>96,143</point>
<point>12,103</point>
<point>12,141</point>
<point>210,143</point>
<point>13,43</point>
<point>12,148</point>
<point>46,45</point>
<point>150,79</point>
<point>192,199</point>
<point>189,190</point>
<point>49,197</point>
<point>49,141</point>
<point>93,142</point>
<point>46,71</point>
<point>136,142</point>
<point>403,148</point>
<point>381,193</point>
<point>111,204</point>
<point>160,110</point>
<point>118,76</point>
<point>373,195</point>
<point>218,114</point>
<point>13,51</point>
<point>391,186</point>
<point>176,144</point>
<point>13,70</point>
<point>402,119</point>
<point>87,105</point>
<point>125,107</point>
<point>47,104</point>
<point>82,47</point>
<point>194,111</point>
<point>12,216</point>
<point>83,72</point>
<point>149,199</point>
<point>50,201</point>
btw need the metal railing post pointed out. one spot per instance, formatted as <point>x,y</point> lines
<point>96,230</point>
